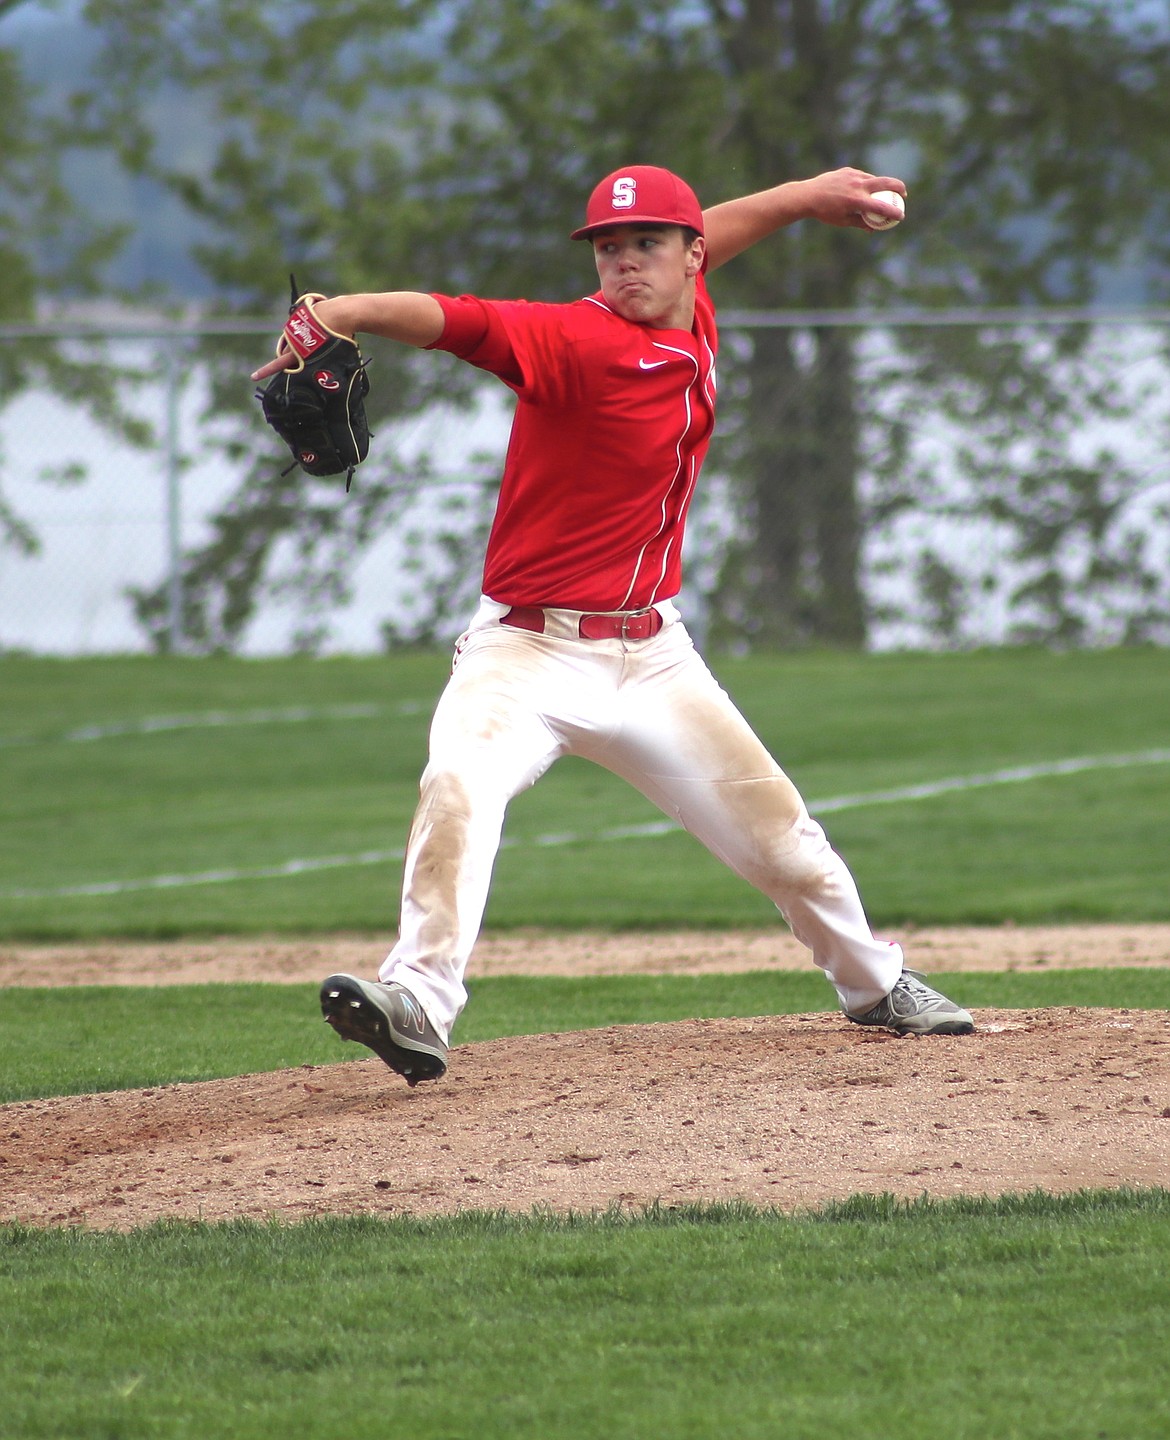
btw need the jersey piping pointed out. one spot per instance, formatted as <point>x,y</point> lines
<point>680,468</point>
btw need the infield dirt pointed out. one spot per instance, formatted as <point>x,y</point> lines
<point>778,1110</point>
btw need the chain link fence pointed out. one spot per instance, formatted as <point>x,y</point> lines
<point>92,517</point>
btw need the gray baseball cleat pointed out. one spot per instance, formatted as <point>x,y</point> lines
<point>913,1008</point>
<point>390,1021</point>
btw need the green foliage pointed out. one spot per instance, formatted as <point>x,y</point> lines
<point>49,249</point>
<point>419,144</point>
<point>1027,1317</point>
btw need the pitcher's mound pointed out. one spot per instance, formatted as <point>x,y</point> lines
<point>783,1110</point>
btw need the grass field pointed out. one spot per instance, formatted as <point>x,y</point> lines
<point>1023,1318</point>
<point>220,795</point>
<point>1030,1317</point>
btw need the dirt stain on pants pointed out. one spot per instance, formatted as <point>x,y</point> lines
<point>651,712</point>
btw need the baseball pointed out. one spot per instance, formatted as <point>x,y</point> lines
<point>881,222</point>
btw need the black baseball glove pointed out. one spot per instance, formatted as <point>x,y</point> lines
<point>318,406</point>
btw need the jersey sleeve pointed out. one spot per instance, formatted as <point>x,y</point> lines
<point>472,332</point>
<point>529,346</point>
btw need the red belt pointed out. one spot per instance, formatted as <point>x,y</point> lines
<point>632,625</point>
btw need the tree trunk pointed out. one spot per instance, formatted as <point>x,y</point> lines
<point>796,582</point>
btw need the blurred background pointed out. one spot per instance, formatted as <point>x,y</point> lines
<point>949,435</point>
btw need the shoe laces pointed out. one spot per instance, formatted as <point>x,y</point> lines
<point>912,984</point>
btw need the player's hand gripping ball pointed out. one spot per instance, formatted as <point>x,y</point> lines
<point>883,222</point>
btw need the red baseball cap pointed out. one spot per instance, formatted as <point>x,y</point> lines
<point>641,195</point>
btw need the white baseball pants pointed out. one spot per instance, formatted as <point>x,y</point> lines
<point>650,711</point>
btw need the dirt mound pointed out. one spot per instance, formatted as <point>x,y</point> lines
<point>782,1110</point>
<point>787,1111</point>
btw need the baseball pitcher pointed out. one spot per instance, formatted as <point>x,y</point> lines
<point>577,647</point>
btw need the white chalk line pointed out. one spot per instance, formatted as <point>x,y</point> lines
<point>215,720</point>
<point>1010,776</point>
<point>930,789</point>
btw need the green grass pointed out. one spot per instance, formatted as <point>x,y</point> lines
<point>1028,1317</point>
<point>178,802</point>
<point>76,1041</point>
<point>1022,1317</point>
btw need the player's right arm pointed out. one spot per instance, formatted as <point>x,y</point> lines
<point>405,315</point>
<point>838,197</point>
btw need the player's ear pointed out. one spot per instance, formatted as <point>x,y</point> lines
<point>695,256</point>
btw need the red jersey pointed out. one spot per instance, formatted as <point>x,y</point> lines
<point>612,423</point>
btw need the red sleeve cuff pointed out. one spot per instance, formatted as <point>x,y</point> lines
<point>465,325</point>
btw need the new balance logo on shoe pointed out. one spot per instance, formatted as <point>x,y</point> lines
<point>389,1021</point>
<point>412,1010</point>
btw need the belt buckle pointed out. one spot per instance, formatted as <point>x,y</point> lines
<point>634,615</point>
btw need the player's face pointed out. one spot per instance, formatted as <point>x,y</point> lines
<point>647,273</point>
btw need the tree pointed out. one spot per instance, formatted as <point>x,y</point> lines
<point>1030,134</point>
<point>448,144</point>
<point>47,251</point>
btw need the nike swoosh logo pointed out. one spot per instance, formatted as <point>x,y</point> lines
<point>651,364</point>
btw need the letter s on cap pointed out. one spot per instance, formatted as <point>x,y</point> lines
<point>625,193</point>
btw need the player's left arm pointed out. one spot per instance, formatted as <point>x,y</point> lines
<point>409,316</point>
<point>838,197</point>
